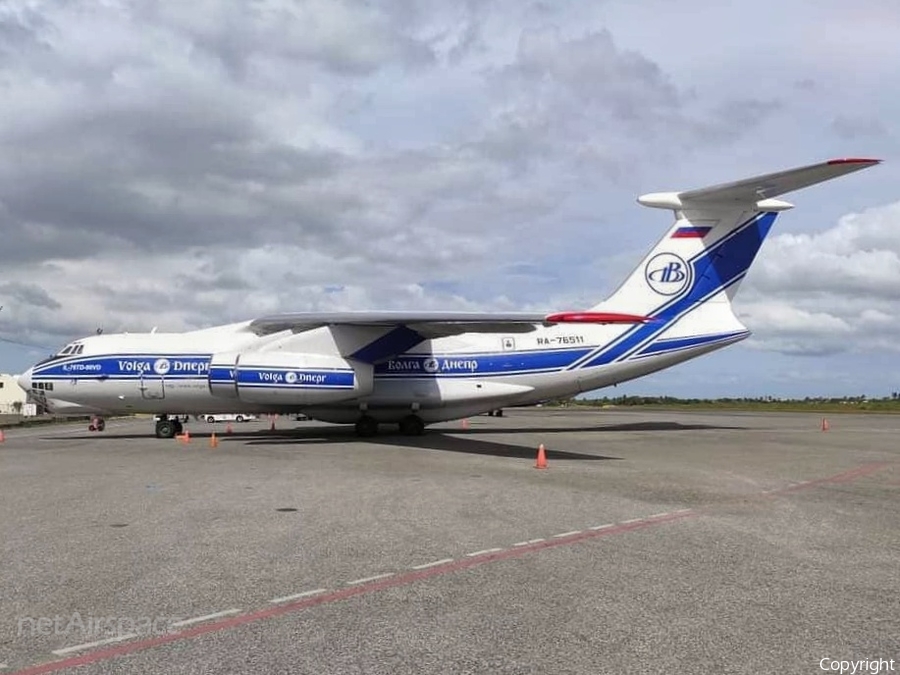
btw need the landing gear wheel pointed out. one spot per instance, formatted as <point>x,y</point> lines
<point>100,424</point>
<point>165,429</point>
<point>366,426</point>
<point>412,425</point>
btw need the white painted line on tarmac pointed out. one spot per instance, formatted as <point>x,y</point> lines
<point>566,534</point>
<point>207,617</point>
<point>50,431</point>
<point>425,566</point>
<point>632,520</point>
<point>660,515</point>
<point>484,552</point>
<point>683,511</point>
<point>602,527</point>
<point>367,579</point>
<point>47,433</point>
<point>98,643</point>
<point>297,596</point>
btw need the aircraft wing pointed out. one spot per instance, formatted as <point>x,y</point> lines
<point>432,325</point>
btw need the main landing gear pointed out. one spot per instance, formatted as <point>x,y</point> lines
<point>366,426</point>
<point>97,424</point>
<point>167,428</point>
<point>411,425</point>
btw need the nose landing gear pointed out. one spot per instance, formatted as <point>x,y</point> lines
<point>167,427</point>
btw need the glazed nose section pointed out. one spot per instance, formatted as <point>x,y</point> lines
<point>25,380</point>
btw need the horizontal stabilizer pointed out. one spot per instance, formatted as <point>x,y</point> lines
<point>759,188</point>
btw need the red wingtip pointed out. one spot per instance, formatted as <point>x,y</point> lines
<point>595,317</point>
<point>854,160</point>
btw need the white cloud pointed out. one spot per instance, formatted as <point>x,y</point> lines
<point>836,290</point>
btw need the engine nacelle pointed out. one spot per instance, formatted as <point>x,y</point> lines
<point>288,378</point>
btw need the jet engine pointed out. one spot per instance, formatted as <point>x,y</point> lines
<point>288,378</point>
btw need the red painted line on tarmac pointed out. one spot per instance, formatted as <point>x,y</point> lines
<point>844,477</point>
<point>404,579</point>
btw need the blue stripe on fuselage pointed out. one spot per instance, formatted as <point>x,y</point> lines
<point>455,365</point>
<point>288,378</point>
<point>170,366</point>
<point>677,344</point>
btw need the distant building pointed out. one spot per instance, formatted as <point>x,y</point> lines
<point>12,397</point>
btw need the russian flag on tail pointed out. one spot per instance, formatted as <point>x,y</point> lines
<point>692,232</point>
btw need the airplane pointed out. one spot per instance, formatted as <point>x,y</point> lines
<point>413,368</point>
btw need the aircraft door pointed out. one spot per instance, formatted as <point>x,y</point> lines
<point>152,386</point>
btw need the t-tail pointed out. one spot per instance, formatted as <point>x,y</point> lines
<point>689,279</point>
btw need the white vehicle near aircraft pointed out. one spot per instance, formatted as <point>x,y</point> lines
<point>417,368</point>
<point>227,417</point>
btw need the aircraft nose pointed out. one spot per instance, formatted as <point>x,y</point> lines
<point>25,380</point>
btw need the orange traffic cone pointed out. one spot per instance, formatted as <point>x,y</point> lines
<point>213,441</point>
<point>465,424</point>
<point>541,462</point>
<point>824,424</point>
<point>186,436</point>
<point>228,428</point>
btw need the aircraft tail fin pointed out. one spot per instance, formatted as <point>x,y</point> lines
<point>687,281</point>
<point>717,232</point>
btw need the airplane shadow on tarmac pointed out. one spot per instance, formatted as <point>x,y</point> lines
<point>436,440</point>
<point>633,426</point>
<point>450,440</point>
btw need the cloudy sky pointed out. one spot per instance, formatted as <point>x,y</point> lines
<point>180,164</point>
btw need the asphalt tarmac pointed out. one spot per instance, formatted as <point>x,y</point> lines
<point>654,542</point>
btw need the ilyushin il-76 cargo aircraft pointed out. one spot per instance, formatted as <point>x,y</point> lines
<point>416,368</point>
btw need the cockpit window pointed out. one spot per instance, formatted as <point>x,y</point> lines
<point>71,349</point>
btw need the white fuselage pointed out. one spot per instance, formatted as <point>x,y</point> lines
<point>440,379</point>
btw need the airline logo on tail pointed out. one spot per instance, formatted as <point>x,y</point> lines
<point>667,274</point>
